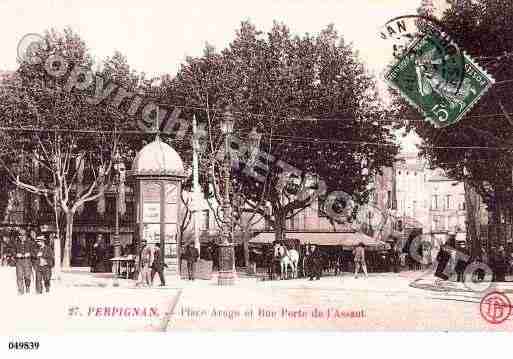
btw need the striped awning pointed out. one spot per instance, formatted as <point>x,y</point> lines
<point>344,239</point>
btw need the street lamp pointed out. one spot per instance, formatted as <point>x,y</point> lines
<point>119,167</point>
<point>226,248</point>
<point>228,222</point>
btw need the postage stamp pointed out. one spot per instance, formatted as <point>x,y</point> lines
<point>438,82</point>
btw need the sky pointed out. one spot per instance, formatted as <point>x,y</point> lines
<point>156,36</point>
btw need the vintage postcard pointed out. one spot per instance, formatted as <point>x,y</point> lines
<point>237,166</point>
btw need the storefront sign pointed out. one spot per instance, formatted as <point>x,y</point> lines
<point>151,212</point>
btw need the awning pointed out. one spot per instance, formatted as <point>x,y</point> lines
<point>410,222</point>
<point>344,239</point>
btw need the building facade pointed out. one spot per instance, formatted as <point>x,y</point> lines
<point>415,196</point>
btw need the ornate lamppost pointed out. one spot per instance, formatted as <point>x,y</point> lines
<point>119,167</point>
<point>228,218</point>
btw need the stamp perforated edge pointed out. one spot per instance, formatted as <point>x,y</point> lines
<point>466,57</point>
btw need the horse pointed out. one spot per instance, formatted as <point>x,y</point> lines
<point>288,258</point>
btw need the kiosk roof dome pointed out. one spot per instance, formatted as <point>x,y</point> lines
<point>158,158</point>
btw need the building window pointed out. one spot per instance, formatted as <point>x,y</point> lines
<point>438,223</point>
<point>389,199</point>
<point>448,201</point>
<point>434,202</point>
<point>205,220</point>
<point>414,208</point>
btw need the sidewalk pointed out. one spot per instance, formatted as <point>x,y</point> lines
<point>80,277</point>
<point>81,302</point>
<point>431,283</point>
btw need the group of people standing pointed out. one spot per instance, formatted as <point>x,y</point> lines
<point>151,262</point>
<point>314,261</point>
<point>33,257</point>
<point>451,262</point>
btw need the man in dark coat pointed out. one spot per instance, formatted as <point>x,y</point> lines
<point>191,255</point>
<point>158,265</point>
<point>98,256</point>
<point>500,265</point>
<point>43,264</point>
<point>444,257</point>
<point>461,264</point>
<point>315,263</point>
<point>21,250</point>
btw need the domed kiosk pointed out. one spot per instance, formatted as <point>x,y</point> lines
<point>157,172</point>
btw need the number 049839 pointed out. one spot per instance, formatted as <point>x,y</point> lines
<point>23,345</point>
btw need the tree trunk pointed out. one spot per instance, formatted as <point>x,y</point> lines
<point>245,245</point>
<point>472,206</point>
<point>66,261</point>
<point>57,244</point>
<point>279,227</point>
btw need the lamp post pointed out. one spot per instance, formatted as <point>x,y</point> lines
<point>226,247</point>
<point>119,167</point>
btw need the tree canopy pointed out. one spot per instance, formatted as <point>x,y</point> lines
<point>478,149</point>
<point>311,98</point>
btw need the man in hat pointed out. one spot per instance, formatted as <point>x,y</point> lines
<point>44,262</point>
<point>359,260</point>
<point>191,255</point>
<point>158,265</point>
<point>146,259</point>
<point>443,269</point>
<point>22,252</point>
<point>315,265</point>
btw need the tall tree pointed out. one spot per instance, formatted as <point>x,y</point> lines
<point>478,149</point>
<point>311,98</point>
<point>64,129</point>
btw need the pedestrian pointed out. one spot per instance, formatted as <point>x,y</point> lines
<point>306,261</point>
<point>483,258</point>
<point>393,258</point>
<point>339,262</point>
<point>191,255</point>
<point>460,265</point>
<point>22,249</point>
<point>443,258</point>
<point>157,266</point>
<point>359,260</point>
<point>43,264</point>
<point>98,255</point>
<point>146,258</point>
<point>501,265</point>
<point>315,263</point>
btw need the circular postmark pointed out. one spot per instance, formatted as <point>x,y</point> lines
<point>439,63</point>
<point>495,307</point>
<point>28,48</point>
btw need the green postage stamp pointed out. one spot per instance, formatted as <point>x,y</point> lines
<point>441,83</point>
